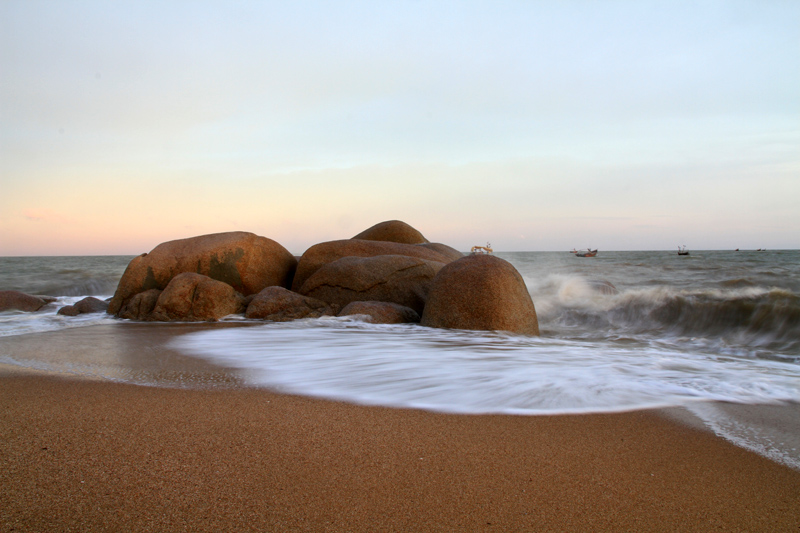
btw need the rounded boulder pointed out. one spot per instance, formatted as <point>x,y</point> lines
<point>140,305</point>
<point>392,231</point>
<point>195,297</point>
<point>327,252</point>
<point>21,301</point>
<point>480,292</point>
<point>87,305</point>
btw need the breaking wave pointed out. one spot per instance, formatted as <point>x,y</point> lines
<point>746,316</point>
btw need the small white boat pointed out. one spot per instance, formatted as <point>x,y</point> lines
<point>482,249</point>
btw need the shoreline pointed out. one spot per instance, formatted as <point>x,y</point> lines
<point>143,354</point>
<point>88,454</point>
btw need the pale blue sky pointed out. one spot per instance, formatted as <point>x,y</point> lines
<point>533,125</point>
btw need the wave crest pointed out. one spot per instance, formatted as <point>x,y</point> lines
<point>745,315</point>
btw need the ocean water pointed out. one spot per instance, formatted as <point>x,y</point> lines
<point>620,331</point>
<point>68,278</point>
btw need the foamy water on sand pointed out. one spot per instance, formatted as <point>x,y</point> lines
<point>485,372</point>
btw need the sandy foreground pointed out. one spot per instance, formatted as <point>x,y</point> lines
<point>81,455</point>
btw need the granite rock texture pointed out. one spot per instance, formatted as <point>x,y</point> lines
<point>280,305</point>
<point>245,261</point>
<point>398,279</point>
<point>480,292</point>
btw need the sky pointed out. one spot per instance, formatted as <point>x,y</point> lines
<point>533,125</point>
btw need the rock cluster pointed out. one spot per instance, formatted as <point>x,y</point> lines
<point>243,260</point>
<point>389,273</point>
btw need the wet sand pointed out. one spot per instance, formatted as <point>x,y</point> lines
<point>100,456</point>
<point>94,455</point>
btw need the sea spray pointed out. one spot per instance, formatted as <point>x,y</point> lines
<point>768,319</point>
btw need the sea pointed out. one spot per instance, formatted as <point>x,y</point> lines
<point>716,333</point>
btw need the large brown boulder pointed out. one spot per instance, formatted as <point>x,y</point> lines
<point>21,301</point>
<point>381,312</point>
<point>480,292</point>
<point>87,305</point>
<point>384,278</point>
<point>245,261</point>
<point>328,252</point>
<point>281,305</point>
<point>195,297</point>
<point>392,231</point>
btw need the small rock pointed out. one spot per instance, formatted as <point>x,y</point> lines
<point>382,312</point>
<point>87,305</point>
<point>281,305</point>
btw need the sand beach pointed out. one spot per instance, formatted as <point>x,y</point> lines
<point>84,455</point>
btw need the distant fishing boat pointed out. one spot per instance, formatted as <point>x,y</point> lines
<point>682,250</point>
<point>482,249</point>
<point>587,253</point>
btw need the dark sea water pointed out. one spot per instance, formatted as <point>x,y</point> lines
<point>82,276</point>
<point>623,330</point>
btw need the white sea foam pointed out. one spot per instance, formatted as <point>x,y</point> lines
<point>48,319</point>
<point>777,439</point>
<point>486,372</point>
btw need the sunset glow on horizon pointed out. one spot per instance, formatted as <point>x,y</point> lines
<point>618,125</point>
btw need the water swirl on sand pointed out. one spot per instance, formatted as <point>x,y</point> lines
<point>485,372</point>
